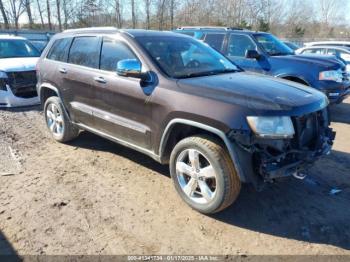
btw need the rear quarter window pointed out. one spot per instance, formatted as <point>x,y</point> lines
<point>59,50</point>
<point>85,51</point>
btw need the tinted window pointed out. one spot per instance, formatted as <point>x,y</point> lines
<point>215,40</point>
<point>184,57</point>
<point>313,51</point>
<point>59,50</point>
<point>112,52</point>
<point>17,48</point>
<point>238,45</point>
<point>85,51</point>
<point>188,33</point>
<point>272,45</point>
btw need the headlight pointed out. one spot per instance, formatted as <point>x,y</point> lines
<point>333,75</point>
<point>271,127</point>
<point>3,81</point>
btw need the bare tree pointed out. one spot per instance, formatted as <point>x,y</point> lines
<point>48,14</point>
<point>65,14</point>
<point>29,12</point>
<point>40,14</point>
<point>4,15</point>
<point>148,13</point>
<point>58,7</point>
<point>330,10</point>
<point>161,10</point>
<point>133,14</point>
<point>172,7</point>
<point>17,8</point>
<point>118,13</point>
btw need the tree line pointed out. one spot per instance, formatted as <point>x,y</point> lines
<point>289,18</point>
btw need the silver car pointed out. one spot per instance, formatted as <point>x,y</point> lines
<point>18,58</point>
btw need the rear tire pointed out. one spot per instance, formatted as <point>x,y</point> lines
<point>203,174</point>
<point>57,121</point>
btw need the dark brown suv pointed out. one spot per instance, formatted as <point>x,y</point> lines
<point>182,103</point>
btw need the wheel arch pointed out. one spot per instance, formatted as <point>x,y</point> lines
<point>170,137</point>
<point>47,90</point>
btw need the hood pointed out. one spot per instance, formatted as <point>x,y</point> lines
<point>18,64</point>
<point>256,92</point>
<point>326,62</point>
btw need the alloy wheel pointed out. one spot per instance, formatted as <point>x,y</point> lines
<point>54,119</point>
<point>196,176</point>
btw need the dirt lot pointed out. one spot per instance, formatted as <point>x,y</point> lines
<point>96,197</point>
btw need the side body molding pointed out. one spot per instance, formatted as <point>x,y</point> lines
<point>211,129</point>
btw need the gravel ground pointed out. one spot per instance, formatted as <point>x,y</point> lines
<point>95,197</point>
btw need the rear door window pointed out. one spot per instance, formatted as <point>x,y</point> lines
<point>112,52</point>
<point>332,52</point>
<point>215,40</point>
<point>59,50</point>
<point>238,45</point>
<point>318,51</point>
<point>85,51</point>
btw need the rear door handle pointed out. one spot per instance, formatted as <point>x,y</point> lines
<point>63,70</point>
<point>100,79</point>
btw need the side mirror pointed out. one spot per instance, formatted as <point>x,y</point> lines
<point>130,68</point>
<point>252,54</point>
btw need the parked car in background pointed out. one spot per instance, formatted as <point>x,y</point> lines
<point>38,38</point>
<point>328,43</point>
<point>291,45</point>
<point>341,52</point>
<point>18,58</point>
<point>264,53</point>
<point>182,103</point>
<point>40,45</point>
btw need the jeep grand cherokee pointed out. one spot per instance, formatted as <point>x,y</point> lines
<point>214,124</point>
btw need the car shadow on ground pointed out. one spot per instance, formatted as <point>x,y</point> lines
<point>295,209</point>
<point>7,252</point>
<point>22,109</point>
<point>91,141</point>
<point>308,210</point>
<point>340,113</point>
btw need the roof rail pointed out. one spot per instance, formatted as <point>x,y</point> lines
<point>90,29</point>
<point>208,28</point>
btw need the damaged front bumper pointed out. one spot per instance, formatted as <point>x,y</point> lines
<point>265,160</point>
<point>8,99</point>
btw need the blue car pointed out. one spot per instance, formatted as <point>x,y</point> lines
<point>264,53</point>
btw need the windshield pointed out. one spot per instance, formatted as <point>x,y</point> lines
<point>17,48</point>
<point>182,57</point>
<point>272,45</point>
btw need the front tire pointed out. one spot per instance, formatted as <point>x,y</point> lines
<point>203,174</point>
<point>58,123</point>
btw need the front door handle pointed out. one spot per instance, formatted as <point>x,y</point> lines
<point>63,70</point>
<point>100,79</point>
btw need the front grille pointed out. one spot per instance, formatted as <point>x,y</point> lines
<point>23,84</point>
<point>307,129</point>
<point>345,75</point>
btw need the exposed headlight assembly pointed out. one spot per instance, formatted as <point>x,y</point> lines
<point>3,81</point>
<point>332,75</point>
<point>275,127</point>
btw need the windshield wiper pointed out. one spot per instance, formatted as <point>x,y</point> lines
<point>209,73</point>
